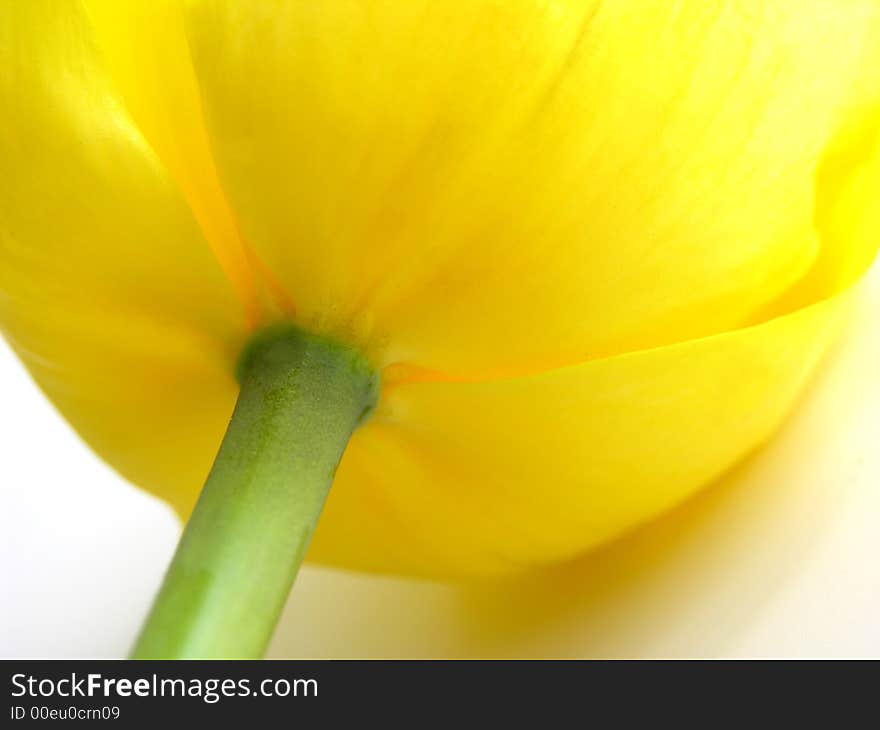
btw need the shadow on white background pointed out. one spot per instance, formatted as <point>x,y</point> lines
<point>779,559</point>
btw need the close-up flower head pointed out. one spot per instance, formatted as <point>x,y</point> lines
<point>516,277</point>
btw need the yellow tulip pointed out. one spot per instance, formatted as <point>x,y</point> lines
<point>592,250</point>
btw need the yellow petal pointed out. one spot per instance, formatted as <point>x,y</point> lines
<point>108,291</point>
<point>469,478</point>
<point>485,477</point>
<point>489,188</point>
<point>146,52</point>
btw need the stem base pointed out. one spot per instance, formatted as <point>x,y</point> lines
<point>301,398</point>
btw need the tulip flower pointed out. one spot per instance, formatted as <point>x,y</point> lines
<point>541,270</point>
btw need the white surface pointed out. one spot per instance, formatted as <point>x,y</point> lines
<point>780,559</point>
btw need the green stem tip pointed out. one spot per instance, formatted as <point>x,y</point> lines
<point>301,398</point>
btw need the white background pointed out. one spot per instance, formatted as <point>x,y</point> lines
<point>782,558</point>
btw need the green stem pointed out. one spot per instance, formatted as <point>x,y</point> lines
<point>301,398</point>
